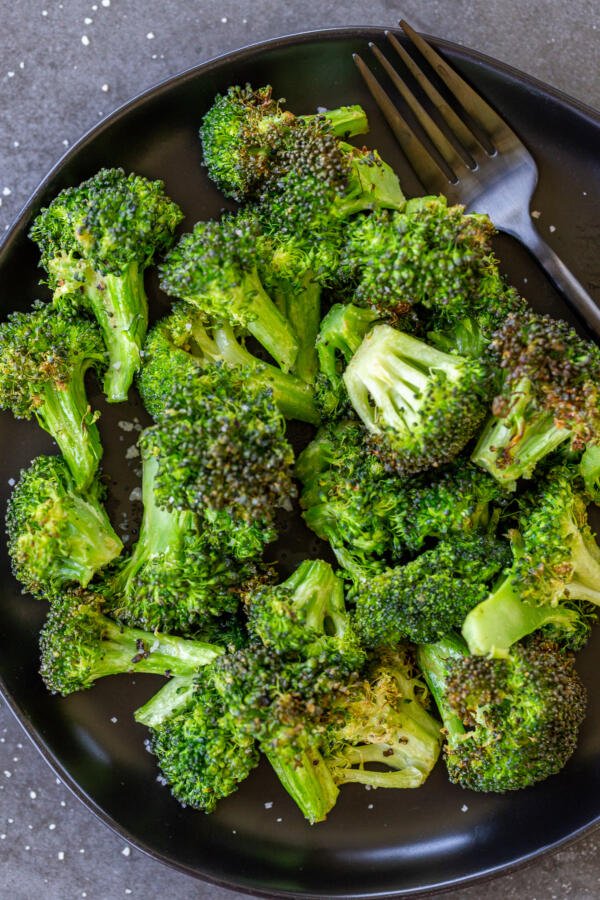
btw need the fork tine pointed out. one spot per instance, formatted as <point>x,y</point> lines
<point>431,129</point>
<point>424,166</point>
<point>464,135</point>
<point>481,112</point>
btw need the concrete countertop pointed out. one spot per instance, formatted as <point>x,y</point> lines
<point>65,65</point>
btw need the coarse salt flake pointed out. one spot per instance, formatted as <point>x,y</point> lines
<point>126,851</point>
<point>32,794</point>
<point>535,213</point>
<point>124,425</point>
<point>552,228</point>
<point>464,808</point>
<point>136,495</point>
<point>104,88</point>
<point>106,3</point>
<point>60,855</point>
<point>6,192</point>
<point>150,35</point>
<point>87,21</point>
<point>85,40</point>
<point>51,826</point>
<point>269,804</point>
<point>114,720</point>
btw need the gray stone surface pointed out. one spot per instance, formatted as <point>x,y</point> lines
<point>63,66</point>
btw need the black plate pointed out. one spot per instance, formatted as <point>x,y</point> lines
<point>374,843</point>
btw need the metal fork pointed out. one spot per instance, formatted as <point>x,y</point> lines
<point>482,165</point>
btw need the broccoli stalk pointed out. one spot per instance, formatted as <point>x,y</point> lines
<point>419,404</point>
<point>79,645</point>
<point>306,777</point>
<point>509,722</point>
<point>57,535</point>
<point>96,240</point>
<point>340,335</point>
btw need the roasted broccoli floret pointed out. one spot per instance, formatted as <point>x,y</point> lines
<point>381,733</point>
<point>245,128</point>
<point>43,360</point>
<point>303,613</point>
<point>79,644</point>
<point>556,563</point>
<point>436,258</point>
<point>57,535</point>
<point>201,753</point>
<point>182,342</point>
<point>549,396</point>
<point>509,722</point>
<point>175,580</point>
<point>428,597</point>
<point>215,269</point>
<point>222,453</point>
<point>419,404</point>
<point>96,240</point>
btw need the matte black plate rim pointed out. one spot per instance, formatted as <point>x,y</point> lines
<point>368,33</point>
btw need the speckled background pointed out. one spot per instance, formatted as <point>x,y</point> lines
<point>63,66</point>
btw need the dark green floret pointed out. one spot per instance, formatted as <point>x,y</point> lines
<point>201,753</point>
<point>382,734</point>
<point>96,240</point>
<point>428,597</point>
<point>183,342</point>
<point>57,535</point>
<point>44,356</point>
<point>223,454</point>
<point>419,404</point>
<point>175,580</point>
<point>509,722</point>
<point>245,129</point>
<point>556,566</point>
<point>549,396</point>
<point>79,644</point>
<point>215,269</point>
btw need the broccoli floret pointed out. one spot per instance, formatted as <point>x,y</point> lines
<point>282,701</point>
<point>201,753</point>
<point>96,240</point>
<point>509,722</point>
<point>245,128</point>
<point>303,613</point>
<point>419,404</point>
<point>174,581</point>
<point>79,644</point>
<point>383,722</point>
<point>429,596</point>
<point>43,360</point>
<point>222,453</point>
<point>549,396</point>
<point>556,563</point>
<point>215,269</point>
<point>348,497</point>
<point>182,342</point>
<point>57,535</point>
<point>340,335</point>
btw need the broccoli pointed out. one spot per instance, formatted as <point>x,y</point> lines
<point>201,753</point>
<point>245,128</point>
<point>303,613</point>
<point>43,360</point>
<point>57,535</point>
<point>509,722</point>
<point>340,335</point>
<point>429,596</point>
<point>437,258</point>
<point>222,453</point>
<point>181,342</point>
<point>556,563</point>
<point>383,721</point>
<point>79,644</point>
<point>214,268</point>
<point>96,240</point>
<point>549,396</point>
<point>348,497</point>
<point>174,581</point>
<point>419,404</point>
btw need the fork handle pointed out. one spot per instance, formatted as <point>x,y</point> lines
<point>562,278</point>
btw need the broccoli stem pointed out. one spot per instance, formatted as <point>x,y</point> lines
<point>346,121</point>
<point>585,561</point>
<point>320,594</point>
<point>498,622</point>
<point>433,661</point>
<point>294,398</point>
<point>306,778</point>
<point>510,447</point>
<point>120,306</point>
<point>93,541</point>
<point>265,322</point>
<point>171,698</point>
<point>126,649</point>
<point>303,311</point>
<point>66,415</point>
